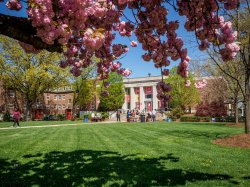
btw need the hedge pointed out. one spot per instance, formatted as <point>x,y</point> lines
<point>207,119</point>
<point>194,119</point>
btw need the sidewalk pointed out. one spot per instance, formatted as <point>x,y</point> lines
<point>59,125</point>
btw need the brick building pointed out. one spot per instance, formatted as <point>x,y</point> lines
<point>59,101</point>
<point>52,102</point>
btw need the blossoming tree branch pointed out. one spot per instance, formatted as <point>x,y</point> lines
<point>86,28</point>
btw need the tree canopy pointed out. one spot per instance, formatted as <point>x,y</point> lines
<point>115,99</point>
<point>29,74</point>
<point>183,96</point>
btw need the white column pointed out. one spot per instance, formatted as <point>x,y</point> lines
<point>155,99</point>
<point>132,98</point>
<point>124,106</point>
<point>142,98</point>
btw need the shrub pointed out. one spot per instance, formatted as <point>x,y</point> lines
<point>61,117</point>
<point>213,109</point>
<point>190,118</point>
<point>105,115</point>
<point>46,118</point>
<point>174,118</point>
<point>52,117</point>
<point>205,119</point>
<point>177,112</point>
<point>194,119</point>
<point>6,116</point>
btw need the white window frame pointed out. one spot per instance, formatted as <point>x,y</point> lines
<point>69,101</point>
<point>11,93</point>
<point>63,106</point>
<point>10,105</point>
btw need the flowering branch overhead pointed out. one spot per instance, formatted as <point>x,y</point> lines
<point>86,28</point>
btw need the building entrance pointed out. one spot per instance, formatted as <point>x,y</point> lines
<point>148,106</point>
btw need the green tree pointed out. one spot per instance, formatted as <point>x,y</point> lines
<point>84,88</point>
<point>183,97</point>
<point>85,93</point>
<point>29,74</point>
<point>115,99</point>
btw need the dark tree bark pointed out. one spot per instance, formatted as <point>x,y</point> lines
<point>247,104</point>
<point>21,29</point>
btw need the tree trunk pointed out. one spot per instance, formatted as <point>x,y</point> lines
<point>247,104</point>
<point>28,113</point>
<point>236,111</point>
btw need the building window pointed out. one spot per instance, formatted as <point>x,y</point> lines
<point>137,90</point>
<point>47,107</point>
<point>10,105</point>
<point>69,101</point>
<point>55,97</point>
<point>127,90</point>
<point>148,96</point>
<point>59,97</point>
<point>55,107</point>
<point>48,97</point>
<point>11,93</point>
<point>128,106</point>
<point>63,106</point>
<point>63,97</point>
<point>137,105</point>
<point>148,90</point>
<point>59,107</point>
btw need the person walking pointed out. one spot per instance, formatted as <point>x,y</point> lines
<point>16,117</point>
<point>118,115</point>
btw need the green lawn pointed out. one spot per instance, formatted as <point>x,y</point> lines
<point>142,154</point>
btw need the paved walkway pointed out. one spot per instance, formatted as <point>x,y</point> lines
<point>58,125</point>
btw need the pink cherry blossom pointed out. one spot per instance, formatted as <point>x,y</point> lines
<point>14,5</point>
<point>88,28</point>
<point>133,43</point>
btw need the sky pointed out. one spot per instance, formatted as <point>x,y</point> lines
<point>133,60</point>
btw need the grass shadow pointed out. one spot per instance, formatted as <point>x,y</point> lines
<point>97,168</point>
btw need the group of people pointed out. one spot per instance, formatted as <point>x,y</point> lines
<point>96,117</point>
<point>151,116</point>
<point>135,115</point>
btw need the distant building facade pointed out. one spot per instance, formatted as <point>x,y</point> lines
<point>141,94</point>
<point>59,101</point>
